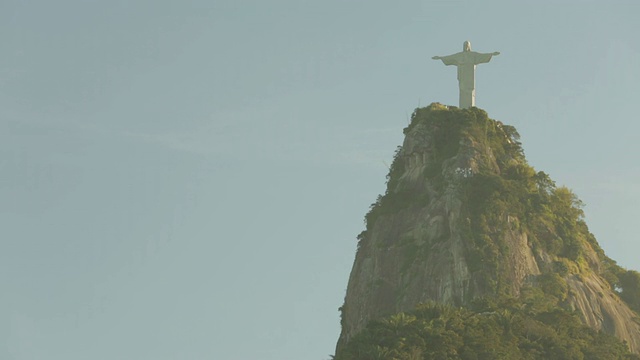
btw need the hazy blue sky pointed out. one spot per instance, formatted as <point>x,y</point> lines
<point>186,179</point>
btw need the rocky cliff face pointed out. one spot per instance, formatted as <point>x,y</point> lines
<point>464,217</point>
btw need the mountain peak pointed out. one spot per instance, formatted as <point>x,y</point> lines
<point>466,218</point>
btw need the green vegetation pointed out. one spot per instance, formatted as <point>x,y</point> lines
<point>446,145</point>
<point>504,194</point>
<point>509,331</point>
<point>625,282</point>
<point>498,199</point>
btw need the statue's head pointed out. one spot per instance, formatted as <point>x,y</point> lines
<point>466,46</point>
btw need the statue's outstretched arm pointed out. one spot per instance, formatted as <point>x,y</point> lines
<point>481,58</point>
<point>447,60</point>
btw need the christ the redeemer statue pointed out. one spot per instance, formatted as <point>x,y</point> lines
<point>466,61</point>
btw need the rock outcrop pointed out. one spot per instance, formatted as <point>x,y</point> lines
<point>465,217</point>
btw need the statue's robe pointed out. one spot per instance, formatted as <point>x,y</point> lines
<point>466,62</point>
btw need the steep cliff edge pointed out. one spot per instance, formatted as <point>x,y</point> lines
<point>465,218</point>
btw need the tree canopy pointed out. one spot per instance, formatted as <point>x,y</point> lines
<point>509,331</point>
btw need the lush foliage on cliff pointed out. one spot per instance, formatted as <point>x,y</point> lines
<point>529,330</point>
<point>510,197</point>
<point>501,193</point>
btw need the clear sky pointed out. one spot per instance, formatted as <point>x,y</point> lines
<point>186,179</point>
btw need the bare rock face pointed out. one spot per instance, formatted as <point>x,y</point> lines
<point>602,309</point>
<point>422,240</point>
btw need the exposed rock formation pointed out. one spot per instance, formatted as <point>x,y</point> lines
<point>439,235</point>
